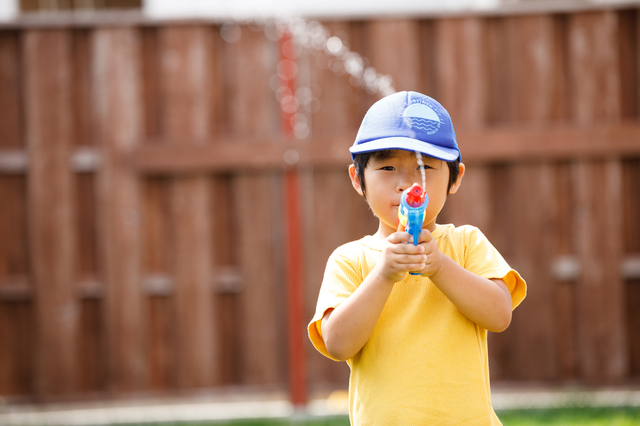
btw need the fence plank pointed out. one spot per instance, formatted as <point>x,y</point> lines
<point>529,90</point>
<point>601,332</point>
<point>631,227</point>
<point>47,58</point>
<point>257,202</point>
<point>566,321</point>
<point>525,208</point>
<point>11,95</point>
<point>463,70</point>
<point>185,87</point>
<point>92,338</point>
<point>18,354</point>
<point>92,347</point>
<point>151,85</point>
<point>337,103</point>
<point>629,51</point>
<point>82,122</point>
<point>229,281</point>
<point>14,250</point>
<point>394,50</point>
<point>116,67</point>
<point>262,296</point>
<point>530,93</point>
<point>158,240</point>
<point>596,95</point>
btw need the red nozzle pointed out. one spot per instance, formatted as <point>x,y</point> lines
<point>415,195</point>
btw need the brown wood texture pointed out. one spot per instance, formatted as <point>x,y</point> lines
<point>17,331</point>
<point>595,89</point>
<point>116,93</point>
<point>47,61</point>
<point>631,212</point>
<point>333,213</point>
<point>184,58</point>
<point>257,205</point>
<point>394,50</point>
<point>142,234</point>
<point>524,199</point>
<point>11,96</point>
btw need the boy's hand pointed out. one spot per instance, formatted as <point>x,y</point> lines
<point>433,253</point>
<point>400,256</point>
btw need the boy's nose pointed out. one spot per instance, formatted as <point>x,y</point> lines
<point>405,180</point>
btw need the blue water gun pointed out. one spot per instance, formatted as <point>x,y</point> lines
<point>413,204</point>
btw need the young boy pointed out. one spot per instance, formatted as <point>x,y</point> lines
<point>416,344</point>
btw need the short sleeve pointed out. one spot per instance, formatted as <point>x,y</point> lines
<point>341,278</point>
<point>483,259</point>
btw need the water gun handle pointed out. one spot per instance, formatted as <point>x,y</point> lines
<point>411,218</point>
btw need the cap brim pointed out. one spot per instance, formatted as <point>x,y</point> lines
<point>445,154</point>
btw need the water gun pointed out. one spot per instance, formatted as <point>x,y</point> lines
<point>413,204</point>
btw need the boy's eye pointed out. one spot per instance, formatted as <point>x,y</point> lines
<point>423,167</point>
<point>388,168</point>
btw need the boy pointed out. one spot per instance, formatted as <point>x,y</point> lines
<point>416,344</point>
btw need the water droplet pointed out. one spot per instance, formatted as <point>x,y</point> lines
<point>334,45</point>
<point>289,104</point>
<point>230,32</point>
<point>301,130</point>
<point>291,157</point>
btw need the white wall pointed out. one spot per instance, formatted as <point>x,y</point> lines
<point>243,9</point>
<point>8,9</point>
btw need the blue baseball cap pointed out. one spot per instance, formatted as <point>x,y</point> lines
<point>410,121</point>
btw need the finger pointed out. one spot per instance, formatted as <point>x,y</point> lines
<point>425,236</point>
<point>411,259</point>
<point>416,267</point>
<point>406,248</point>
<point>400,237</point>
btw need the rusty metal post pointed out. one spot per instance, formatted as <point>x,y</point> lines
<point>294,258</point>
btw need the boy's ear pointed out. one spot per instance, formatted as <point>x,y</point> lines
<point>456,184</point>
<point>355,180</point>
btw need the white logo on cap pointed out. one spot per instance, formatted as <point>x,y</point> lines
<point>421,117</point>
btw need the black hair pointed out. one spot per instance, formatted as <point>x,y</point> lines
<point>361,160</point>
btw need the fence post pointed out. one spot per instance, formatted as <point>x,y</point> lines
<point>295,335</point>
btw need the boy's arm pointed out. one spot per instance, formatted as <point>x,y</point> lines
<point>347,328</point>
<point>486,302</point>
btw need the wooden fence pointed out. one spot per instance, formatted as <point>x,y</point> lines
<point>142,193</point>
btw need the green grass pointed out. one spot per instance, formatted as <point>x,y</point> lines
<point>582,416</point>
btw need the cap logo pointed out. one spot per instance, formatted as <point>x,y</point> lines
<point>422,118</point>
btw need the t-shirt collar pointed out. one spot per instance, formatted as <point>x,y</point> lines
<point>375,244</point>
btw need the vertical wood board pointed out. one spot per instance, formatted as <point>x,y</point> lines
<point>116,93</point>
<point>184,59</point>
<point>47,58</point>
<point>11,95</point>
<point>596,95</point>
<point>250,63</point>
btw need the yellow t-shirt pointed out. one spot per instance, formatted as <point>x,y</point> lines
<point>425,363</point>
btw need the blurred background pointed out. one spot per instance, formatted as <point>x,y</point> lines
<point>173,179</point>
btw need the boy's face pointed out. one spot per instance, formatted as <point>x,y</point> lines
<point>387,178</point>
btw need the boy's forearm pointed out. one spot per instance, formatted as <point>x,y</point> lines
<point>483,301</point>
<point>347,328</point>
